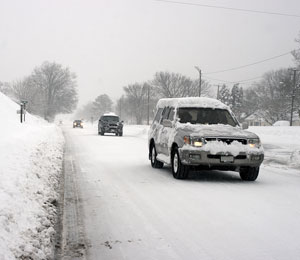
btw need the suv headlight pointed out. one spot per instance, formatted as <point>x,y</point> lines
<point>197,142</point>
<point>254,143</point>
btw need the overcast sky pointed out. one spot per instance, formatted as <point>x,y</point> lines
<point>112,43</point>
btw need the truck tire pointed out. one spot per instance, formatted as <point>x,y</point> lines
<point>154,162</point>
<point>249,173</point>
<point>179,170</point>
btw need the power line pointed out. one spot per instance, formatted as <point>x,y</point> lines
<point>229,8</point>
<point>233,82</point>
<point>250,64</point>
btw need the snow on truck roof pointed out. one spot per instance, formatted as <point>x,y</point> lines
<point>110,114</point>
<point>191,102</point>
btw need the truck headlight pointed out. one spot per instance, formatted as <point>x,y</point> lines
<point>254,143</point>
<point>197,142</point>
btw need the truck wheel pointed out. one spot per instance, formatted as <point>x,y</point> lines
<point>179,170</point>
<point>154,162</point>
<point>249,173</point>
<point>120,133</point>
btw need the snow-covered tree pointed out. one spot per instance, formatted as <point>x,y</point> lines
<point>224,95</point>
<point>237,100</point>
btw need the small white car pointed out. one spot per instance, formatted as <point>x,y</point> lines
<point>202,133</point>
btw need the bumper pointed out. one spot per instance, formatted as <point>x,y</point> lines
<point>220,160</point>
<point>112,129</point>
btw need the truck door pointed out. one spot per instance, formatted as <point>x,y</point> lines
<point>167,131</point>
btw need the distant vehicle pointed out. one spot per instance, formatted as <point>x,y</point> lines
<point>110,123</point>
<point>202,133</point>
<point>77,123</point>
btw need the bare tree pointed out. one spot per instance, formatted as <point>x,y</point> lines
<point>86,112</point>
<point>176,85</point>
<point>5,88</point>
<point>274,94</point>
<point>25,90</point>
<point>250,103</point>
<point>296,53</point>
<point>136,95</point>
<point>57,89</point>
<point>172,84</point>
<point>194,89</point>
<point>101,105</point>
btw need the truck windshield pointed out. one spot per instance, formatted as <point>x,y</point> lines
<point>207,116</point>
<point>110,118</point>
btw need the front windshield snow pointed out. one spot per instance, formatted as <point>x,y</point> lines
<point>207,116</point>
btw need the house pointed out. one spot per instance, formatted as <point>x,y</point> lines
<point>256,120</point>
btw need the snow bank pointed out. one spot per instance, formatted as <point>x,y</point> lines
<point>281,123</point>
<point>136,130</point>
<point>281,143</point>
<point>30,168</point>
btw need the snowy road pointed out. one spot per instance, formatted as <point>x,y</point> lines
<point>131,211</point>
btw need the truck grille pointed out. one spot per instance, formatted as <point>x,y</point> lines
<point>218,156</point>
<point>226,140</point>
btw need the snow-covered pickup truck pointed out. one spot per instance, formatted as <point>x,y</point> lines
<point>202,133</point>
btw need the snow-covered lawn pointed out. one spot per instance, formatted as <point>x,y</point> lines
<point>30,168</point>
<point>281,144</point>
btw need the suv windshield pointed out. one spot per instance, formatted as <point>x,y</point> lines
<point>208,116</point>
<point>110,118</point>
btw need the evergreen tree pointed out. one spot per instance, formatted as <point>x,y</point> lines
<point>224,95</point>
<point>237,100</point>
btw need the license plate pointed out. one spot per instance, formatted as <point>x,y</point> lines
<point>227,158</point>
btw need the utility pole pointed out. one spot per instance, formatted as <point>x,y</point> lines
<point>293,95</point>
<point>148,105</point>
<point>21,112</point>
<point>218,92</point>
<point>200,75</point>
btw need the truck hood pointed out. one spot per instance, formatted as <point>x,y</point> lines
<point>218,130</point>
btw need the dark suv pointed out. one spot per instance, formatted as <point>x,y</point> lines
<point>110,123</point>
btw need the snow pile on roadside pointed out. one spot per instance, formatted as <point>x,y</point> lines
<point>136,130</point>
<point>30,168</point>
<point>295,158</point>
<point>283,141</point>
